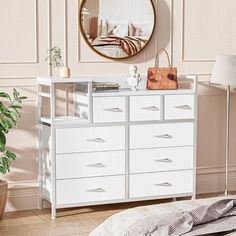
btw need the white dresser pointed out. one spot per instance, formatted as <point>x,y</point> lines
<point>118,146</point>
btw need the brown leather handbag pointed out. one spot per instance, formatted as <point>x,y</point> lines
<point>162,77</point>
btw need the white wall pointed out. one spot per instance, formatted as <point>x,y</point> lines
<point>125,8</point>
<point>201,29</point>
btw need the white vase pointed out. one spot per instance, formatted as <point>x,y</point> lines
<point>64,72</point>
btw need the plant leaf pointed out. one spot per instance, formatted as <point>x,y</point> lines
<point>23,97</point>
<point>9,124</point>
<point>16,107</point>
<point>4,124</point>
<point>2,170</point>
<point>2,138</point>
<point>15,94</point>
<point>5,95</point>
<point>6,163</point>
<point>2,147</point>
<point>13,116</point>
<point>11,155</point>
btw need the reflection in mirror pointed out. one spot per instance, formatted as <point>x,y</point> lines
<point>117,29</point>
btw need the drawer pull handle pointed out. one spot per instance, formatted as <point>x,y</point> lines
<point>165,160</point>
<point>166,184</point>
<point>98,165</point>
<point>151,108</point>
<point>96,140</point>
<point>183,107</point>
<point>115,109</point>
<point>165,136</point>
<point>97,190</point>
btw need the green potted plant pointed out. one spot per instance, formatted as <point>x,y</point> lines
<point>54,57</point>
<point>9,113</point>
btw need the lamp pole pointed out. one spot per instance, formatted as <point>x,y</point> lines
<point>227,143</point>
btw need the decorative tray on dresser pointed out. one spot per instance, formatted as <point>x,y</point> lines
<point>118,146</point>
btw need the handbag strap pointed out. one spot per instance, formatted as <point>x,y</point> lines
<point>168,57</point>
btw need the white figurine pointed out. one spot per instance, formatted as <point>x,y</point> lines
<point>134,78</point>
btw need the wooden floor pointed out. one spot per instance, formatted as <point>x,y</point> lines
<point>70,222</point>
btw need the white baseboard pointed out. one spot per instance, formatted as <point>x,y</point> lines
<point>212,179</point>
<point>25,195</point>
<point>22,196</point>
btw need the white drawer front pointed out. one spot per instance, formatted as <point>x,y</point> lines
<point>90,189</point>
<point>161,135</point>
<point>162,183</point>
<point>89,139</point>
<point>161,159</point>
<point>108,109</point>
<point>81,165</point>
<point>179,107</point>
<point>145,108</point>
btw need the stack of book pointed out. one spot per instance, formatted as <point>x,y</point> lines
<point>99,86</point>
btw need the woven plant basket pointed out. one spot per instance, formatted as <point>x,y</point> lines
<point>3,196</point>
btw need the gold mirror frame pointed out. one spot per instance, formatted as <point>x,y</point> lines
<point>103,55</point>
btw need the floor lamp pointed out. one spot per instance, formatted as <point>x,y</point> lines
<point>224,73</point>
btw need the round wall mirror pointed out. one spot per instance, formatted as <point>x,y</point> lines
<point>117,29</point>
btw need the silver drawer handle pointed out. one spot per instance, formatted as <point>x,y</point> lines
<point>166,184</point>
<point>98,165</point>
<point>151,108</point>
<point>115,109</point>
<point>165,160</point>
<point>184,107</point>
<point>96,140</point>
<point>97,190</point>
<point>167,136</point>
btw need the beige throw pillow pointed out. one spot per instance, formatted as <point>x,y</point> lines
<point>143,30</point>
<point>117,29</point>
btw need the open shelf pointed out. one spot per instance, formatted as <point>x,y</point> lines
<point>64,120</point>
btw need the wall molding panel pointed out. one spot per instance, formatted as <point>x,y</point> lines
<point>199,39</point>
<point>49,26</point>
<point>36,39</point>
<point>182,54</point>
<point>183,39</point>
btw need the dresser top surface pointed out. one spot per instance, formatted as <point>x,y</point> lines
<point>124,88</point>
<point>140,92</point>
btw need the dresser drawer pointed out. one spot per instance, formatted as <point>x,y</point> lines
<point>90,189</point>
<point>179,107</point>
<point>108,109</point>
<point>161,159</point>
<point>145,108</point>
<point>81,165</point>
<point>160,184</point>
<point>161,135</point>
<point>90,139</point>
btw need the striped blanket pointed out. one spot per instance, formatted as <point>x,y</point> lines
<point>184,222</point>
<point>131,45</point>
<point>188,218</point>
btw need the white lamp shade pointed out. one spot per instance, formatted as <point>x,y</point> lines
<point>224,71</point>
